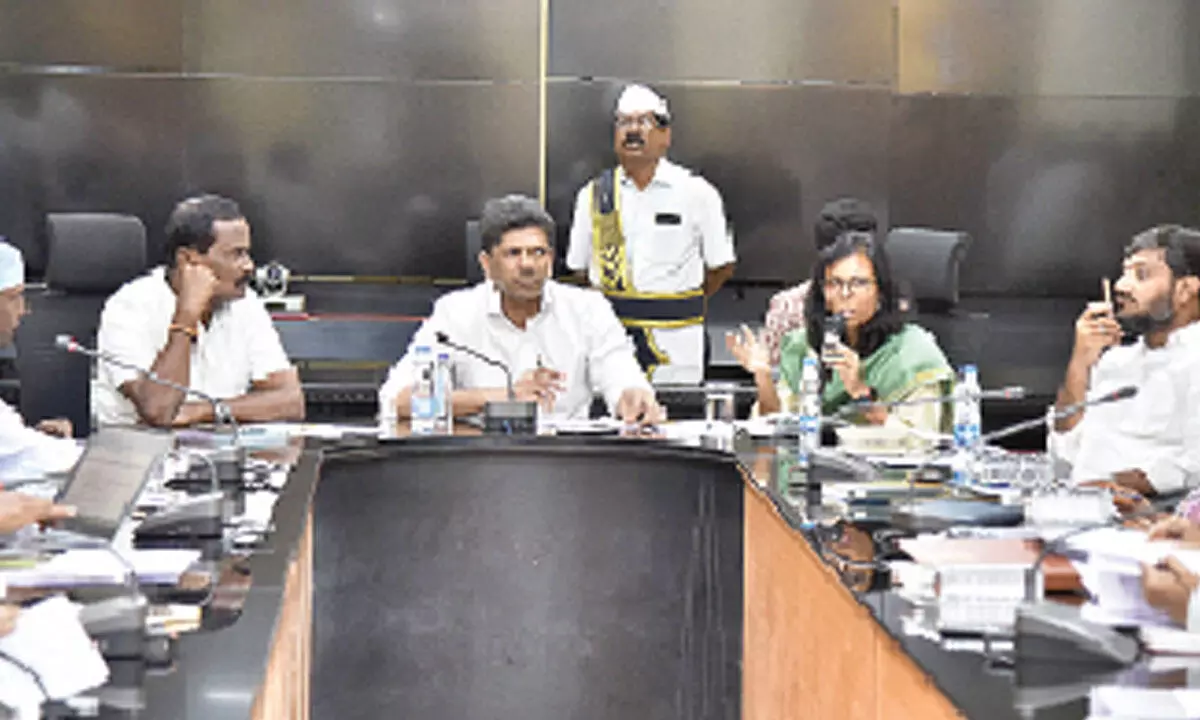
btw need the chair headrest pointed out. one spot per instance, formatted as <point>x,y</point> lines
<point>928,261</point>
<point>93,252</point>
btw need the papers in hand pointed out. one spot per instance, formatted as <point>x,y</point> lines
<point>1111,570</point>
<point>50,641</point>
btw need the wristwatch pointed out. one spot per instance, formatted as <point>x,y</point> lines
<point>871,395</point>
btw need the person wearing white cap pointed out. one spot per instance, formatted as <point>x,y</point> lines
<point>26,452</point>
<point>652,236</point>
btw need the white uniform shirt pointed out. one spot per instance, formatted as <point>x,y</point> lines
<point>26,453</point>
<point>1156,431</point>
<point>239,346</point>
<point>576,333</point>
<point>664,258</point>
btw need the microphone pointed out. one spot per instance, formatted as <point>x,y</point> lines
<point>1121,393</point>
<point>222,415</point>
<point>510,417</point>
<point>444,339</point>
<point>1012,392</point>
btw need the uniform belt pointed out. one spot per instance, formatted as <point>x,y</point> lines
<point>672,310</point>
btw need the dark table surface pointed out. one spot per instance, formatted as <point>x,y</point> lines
<point>216,673</point>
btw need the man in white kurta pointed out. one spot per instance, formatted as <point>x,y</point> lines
<point>1149,443</point>
<point>652,236</point>
<point>26,452</point>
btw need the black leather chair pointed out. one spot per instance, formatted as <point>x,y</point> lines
<point>926,265</point>
<point>927,261</point>
<point>472,245</point>
<point>89,256</point>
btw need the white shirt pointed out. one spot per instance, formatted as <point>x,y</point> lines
<point>26,453</point>
<point>1156,431</point>
<point>576,332</point>
<point>662,257</point>
<point>238,347</point>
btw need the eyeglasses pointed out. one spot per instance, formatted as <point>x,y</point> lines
<point>643,122</point>
<point>848,286</point>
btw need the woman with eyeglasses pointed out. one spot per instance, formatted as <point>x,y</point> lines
<point>876,357</point>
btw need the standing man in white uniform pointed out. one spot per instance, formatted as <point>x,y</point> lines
<point>196,323</point>
<point>652,237</point>
<point>26,452</point>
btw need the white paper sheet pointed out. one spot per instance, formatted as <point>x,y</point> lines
<point>1117,701</point>
<point>51,642</point>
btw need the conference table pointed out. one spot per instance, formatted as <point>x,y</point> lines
<point>588,576</point>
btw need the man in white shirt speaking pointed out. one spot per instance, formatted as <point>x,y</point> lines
<point>562,343</point>
<point>652,236</point>
<point>26,452</point>
<point>1149,443</point>
<point>196,323</point>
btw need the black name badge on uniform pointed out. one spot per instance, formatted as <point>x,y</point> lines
<point>668,219</point>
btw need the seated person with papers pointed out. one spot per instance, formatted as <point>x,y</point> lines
<point>197,324</point>
<point>26,452</point>
<point>1149,443</point>
<point>561,343</point>
<point>880,358</point>
<point>17,511</point>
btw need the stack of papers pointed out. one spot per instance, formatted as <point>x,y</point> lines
<point>101,567</point>
<point>1111,570</point>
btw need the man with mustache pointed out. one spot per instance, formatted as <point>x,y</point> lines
<point>652,237</point>
<point>563,344</point>
<point>196,323</point>
<point>1149,443</point>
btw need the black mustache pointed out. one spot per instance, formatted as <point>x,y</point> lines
<point>631,140</point>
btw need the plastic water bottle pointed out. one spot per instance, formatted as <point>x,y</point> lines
<point>966,423</point>
<point>966,409</point>
<point>387,414</point>
<point>444,395</point>
<point>809,429</point>
<point>424,392</point>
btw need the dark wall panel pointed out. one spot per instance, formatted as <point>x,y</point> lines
<point>383,38</point>
<point>1097,48</point>
<point>370,178</point>
<point>844,41</point>
<point>86,143</point>
<point>1050,188</point>
<point>776,154</point>
<point>120,34</point>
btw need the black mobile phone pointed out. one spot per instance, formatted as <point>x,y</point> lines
<point>835,330</point>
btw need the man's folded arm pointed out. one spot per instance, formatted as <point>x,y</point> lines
<point>122,336</point>
<point>278,397</point>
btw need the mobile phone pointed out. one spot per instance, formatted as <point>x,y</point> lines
<point>835,326</point>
